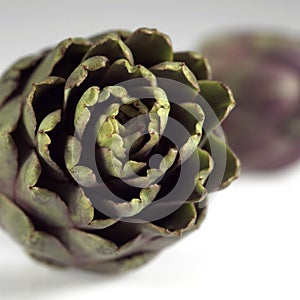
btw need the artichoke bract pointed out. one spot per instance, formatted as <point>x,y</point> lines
<point>263,71</point>
<point>109,149</point>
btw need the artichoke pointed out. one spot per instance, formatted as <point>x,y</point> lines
<point>263,71</point>
<point>109,149</point>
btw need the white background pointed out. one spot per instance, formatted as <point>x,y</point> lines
<point>248,246</point>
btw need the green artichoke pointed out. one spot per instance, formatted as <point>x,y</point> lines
<point>96,135</point>
<point>263,71</point>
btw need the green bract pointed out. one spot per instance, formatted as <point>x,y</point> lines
<point>54,202</point>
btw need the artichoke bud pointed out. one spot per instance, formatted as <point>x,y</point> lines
<point>110,149</point>
<point>263,71</point>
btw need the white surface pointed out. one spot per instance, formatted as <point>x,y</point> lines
<point>248,247</point>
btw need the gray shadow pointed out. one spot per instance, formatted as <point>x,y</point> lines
<point>33,281</point>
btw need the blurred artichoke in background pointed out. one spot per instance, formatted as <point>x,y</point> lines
<point>263,70</point>
<point>69,109</point>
